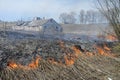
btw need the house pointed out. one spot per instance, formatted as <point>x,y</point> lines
<point>43,26</point>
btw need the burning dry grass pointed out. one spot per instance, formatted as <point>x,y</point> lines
<point>105,51</point>
<point>84,68</point>
<point>76,66</point>
<point>32,65</point>
<point>109,37</point>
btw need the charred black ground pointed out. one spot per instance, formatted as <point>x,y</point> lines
<point>52,65</point>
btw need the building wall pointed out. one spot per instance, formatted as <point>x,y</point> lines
<point>51,27</point>
<point>27,28</point>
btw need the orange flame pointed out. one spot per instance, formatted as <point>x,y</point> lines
<point>72,57</point>
<point>69,62</point>
<point>111,38</point>
<point>100,50</point>
<point>105,51</point>
<point>33,64</point>
<point>52,60</point>
<point>89,54</point>
<point>12,64</point>
<point>106,48</point>
<point>77,51</point>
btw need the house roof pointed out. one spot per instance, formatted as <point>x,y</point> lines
<point>38,22</point>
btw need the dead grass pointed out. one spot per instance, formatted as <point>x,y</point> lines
<point>116,48</point>
<point>85,68</point>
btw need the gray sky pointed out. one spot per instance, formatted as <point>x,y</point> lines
<point>11,10</point>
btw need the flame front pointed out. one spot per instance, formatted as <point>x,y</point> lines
<point>70,58</point>
<point>35,63</point>
<point>69,62</point>
<point>51,60</point>
<point>77,51</point>
<point>89,54</point>
<point>111,38</point>
<point>106,48</point>
<point>103,51</point>
<point>32,65</point>
<point>12,64</point>
<point>100,50</point>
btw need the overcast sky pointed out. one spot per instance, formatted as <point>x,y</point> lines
<point>16,9</point>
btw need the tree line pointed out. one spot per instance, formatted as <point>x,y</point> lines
<point>83,17</point>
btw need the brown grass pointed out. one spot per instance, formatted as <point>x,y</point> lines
<point>85,68</point>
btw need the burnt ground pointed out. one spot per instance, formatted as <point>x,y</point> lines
<point>52,65</point>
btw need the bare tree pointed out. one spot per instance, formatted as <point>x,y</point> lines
<point>67,18</point>
<point>111,10</point>
<point>82,17</point>
<point>63,17</point>
<point>71,18</point>
<point>91,16</point>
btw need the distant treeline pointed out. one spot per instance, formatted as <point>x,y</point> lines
<point>84,17</point>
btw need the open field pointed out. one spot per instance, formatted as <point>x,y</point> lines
<point>29,56</point>
<point>86,29</point>
<point>55,62</point>
<point>59,39</point>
